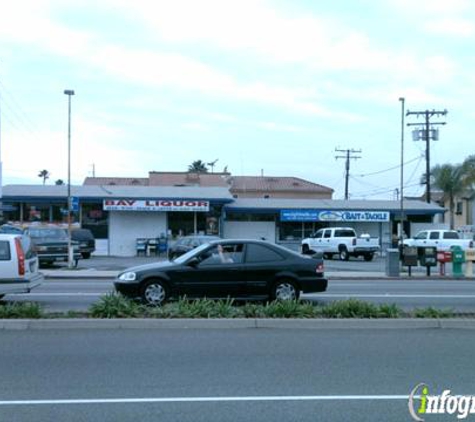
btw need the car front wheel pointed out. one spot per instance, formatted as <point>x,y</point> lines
<point>154,293</point>
<point>285,290</point>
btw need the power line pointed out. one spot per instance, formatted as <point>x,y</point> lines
<point>388,169</point>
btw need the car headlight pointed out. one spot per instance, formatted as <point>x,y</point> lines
<point>129,276</point>
<point>41,248</point>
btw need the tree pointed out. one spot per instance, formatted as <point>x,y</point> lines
<point>468,172</point>
<point>44,174</point>
<point>448,178</point>
<point>198,166</point>
<point>59,182</point>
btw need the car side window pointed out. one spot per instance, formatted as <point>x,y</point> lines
<point>260,253</point>
<point>5,251</point>
<point>327,234</point>
<point>434,235</point>
<point>421,235</point>
<point>318,235</point>
<point>222,255</point>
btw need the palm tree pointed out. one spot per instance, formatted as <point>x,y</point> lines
<point>44,174</point>
<point>468,172</point>
<point>448,178</point>
<point>198,166</point>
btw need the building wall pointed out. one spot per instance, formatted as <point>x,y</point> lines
<point>249,230</point>
<point>126,226</point>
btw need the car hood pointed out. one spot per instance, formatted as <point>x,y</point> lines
<point>164,265</point>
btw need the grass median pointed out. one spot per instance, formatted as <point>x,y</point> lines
<point>114,305</point>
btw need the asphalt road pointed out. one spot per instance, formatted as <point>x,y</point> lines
<point>63,295</point>
<point>227,375</point>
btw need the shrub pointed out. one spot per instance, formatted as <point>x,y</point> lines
<point>27,310</point>
<point>114,305</point>
<point>431,312</point>
<point>354,308</point>
<point>288,309</point>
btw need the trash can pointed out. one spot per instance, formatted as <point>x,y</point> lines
<point>458,258</point>
<point>392,262</point>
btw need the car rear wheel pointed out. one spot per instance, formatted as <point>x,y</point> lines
<point>2,296</point>
<point>285,290</point>
<point>368,257</point>
<point>86,255</point>
<point>344,255</point>
<point>155,293</point>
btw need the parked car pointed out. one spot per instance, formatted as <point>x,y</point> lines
<point>87,243</point>
<point>443,240</point>
<point>187,243</point>
<point>9,228</point>
<point>18,265</point>
<point>226,268</point>
<point>341,241</point>
<point>51,244</point>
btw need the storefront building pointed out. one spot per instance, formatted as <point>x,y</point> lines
<point>119,215</point>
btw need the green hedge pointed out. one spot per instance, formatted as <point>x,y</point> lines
<point>116,306</point>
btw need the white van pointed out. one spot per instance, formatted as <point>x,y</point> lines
<point>18,265</point>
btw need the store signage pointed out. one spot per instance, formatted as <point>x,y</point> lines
<point>329,215</point>
<point>155,205</point>
<point>298,215</point>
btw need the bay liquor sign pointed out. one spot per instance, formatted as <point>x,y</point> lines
<point>189,205</point>
<point>330,215</point>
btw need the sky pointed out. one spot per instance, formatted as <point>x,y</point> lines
<point>272,87</point>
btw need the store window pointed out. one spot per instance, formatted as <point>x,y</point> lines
<point>95,219</point>
<point>296,231</point>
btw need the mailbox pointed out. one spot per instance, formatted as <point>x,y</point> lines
<point>444,257</point>
<point>458,258</point>
<point>458,255</point>
<point>429,257</point>
<point>469,257</point>
<point>409,256</point>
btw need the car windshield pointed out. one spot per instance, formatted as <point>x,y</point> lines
<point>185,257</point>
<point>58,234</point>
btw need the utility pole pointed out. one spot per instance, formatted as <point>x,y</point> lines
<point>348,156</point>
<point>426,134</point>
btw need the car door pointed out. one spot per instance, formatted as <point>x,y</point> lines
<point>215,276</point>
<point>261,265</point>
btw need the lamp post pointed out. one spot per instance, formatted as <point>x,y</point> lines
<point>69,93</point>
<point>401,226</point>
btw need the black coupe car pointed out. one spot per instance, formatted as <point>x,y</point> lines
<point>226,268</point>
<point>187,243</point>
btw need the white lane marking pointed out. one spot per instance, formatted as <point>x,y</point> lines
<point>202,399</point>
<point>386,295</point>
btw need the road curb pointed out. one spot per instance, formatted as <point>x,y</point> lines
<point>316,324</point>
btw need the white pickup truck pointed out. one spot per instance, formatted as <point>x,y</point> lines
<point>18,265</point>
<point>341,241</point>
<point>440,239</point>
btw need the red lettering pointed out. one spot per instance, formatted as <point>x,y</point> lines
<point>109,202</point>
<point>166,203</point>
<point>190,203</point>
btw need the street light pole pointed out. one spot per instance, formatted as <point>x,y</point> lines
<point>69,93</point>
<point>401,226</point>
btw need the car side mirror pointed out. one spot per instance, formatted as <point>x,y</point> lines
<point>193,262</point>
